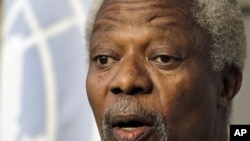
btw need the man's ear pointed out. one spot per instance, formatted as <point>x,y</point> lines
<point>231,79</point>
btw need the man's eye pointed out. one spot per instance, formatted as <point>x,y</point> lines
<point>166,62</point>
<point>164,59</point>
<point>104,60</point>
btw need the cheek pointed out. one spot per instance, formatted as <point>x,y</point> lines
<point>189,101</point>
<point>96,91</point>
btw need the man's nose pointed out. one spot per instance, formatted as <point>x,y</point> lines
<point>131,78</point>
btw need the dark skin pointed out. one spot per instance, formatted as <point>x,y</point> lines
<point>153,51</point>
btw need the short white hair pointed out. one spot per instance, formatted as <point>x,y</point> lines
<point>223,21</point>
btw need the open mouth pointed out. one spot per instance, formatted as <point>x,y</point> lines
<point>131,127</point>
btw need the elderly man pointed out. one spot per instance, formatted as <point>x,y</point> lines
<point>164,70</point>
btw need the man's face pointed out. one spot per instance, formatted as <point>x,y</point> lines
<point>149,77</point>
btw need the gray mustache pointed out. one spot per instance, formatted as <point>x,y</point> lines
<point>130,106</point>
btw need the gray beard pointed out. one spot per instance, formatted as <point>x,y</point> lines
<point>131,105</point>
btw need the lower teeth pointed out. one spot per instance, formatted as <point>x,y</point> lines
<point>129,129</point>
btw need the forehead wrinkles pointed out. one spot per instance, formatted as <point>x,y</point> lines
<point>127,12</point>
